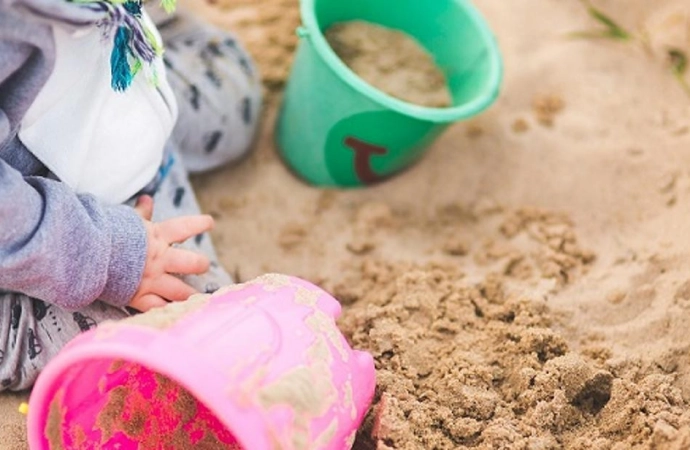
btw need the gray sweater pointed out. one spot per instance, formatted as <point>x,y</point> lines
<point>55,245</point>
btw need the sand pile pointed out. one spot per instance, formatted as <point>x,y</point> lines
<point>391,61</point>
<point>465,365</point>
<point>469,355</point>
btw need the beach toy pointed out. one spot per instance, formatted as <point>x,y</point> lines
<point>334,129</point>
<point>255,366</point>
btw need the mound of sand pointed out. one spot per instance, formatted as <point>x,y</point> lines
<point>469,365</point>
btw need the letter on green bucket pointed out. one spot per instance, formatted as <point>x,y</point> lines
<point>362,150</point>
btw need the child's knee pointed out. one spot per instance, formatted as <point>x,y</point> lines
<point>218,90</point>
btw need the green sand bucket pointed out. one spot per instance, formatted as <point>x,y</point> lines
<point>335,129</point>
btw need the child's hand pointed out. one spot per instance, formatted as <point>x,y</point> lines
<point>159,285</point>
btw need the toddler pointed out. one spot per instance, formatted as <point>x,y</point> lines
<point>99,127</point>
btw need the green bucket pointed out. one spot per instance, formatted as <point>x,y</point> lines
<point>335,129</point>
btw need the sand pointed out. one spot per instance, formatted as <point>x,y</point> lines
<point>391,61</point>
<point>178,415</point>
<point>12,422</point>
<point>164,318</point>
<point>168,417</point>
<point>526,284</point>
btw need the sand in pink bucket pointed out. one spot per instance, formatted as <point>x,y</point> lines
<point>260,365</point>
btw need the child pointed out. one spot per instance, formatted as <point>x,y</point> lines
<point>97,215</point>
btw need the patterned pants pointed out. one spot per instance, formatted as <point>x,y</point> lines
<point>219,98</point>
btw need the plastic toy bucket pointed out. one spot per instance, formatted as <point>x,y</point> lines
<point>259,366</point>
<point>335,129</point>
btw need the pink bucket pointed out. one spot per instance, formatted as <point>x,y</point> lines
<point>255,366</point>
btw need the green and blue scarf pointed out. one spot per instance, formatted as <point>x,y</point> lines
<point>135,47</point>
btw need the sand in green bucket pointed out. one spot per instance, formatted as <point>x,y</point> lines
<point>390,61</point>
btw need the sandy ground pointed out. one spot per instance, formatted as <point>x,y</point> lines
<point>526,285</point>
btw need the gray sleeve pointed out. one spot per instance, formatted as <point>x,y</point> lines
<point>66,249</point>
<point>55,245</point>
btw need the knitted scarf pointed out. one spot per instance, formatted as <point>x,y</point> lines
<point>134,44</point>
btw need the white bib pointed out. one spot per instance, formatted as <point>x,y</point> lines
<point>98,141</point>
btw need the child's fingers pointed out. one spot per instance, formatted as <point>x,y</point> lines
<point>182,228</point>
<point>185,262</point>
<point>147,302</point>
<point>144,207</point>
<point>172,288</point>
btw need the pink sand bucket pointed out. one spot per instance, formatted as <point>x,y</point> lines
<point>255,366</point>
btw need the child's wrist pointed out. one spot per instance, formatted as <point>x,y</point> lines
<point>128,255</point>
